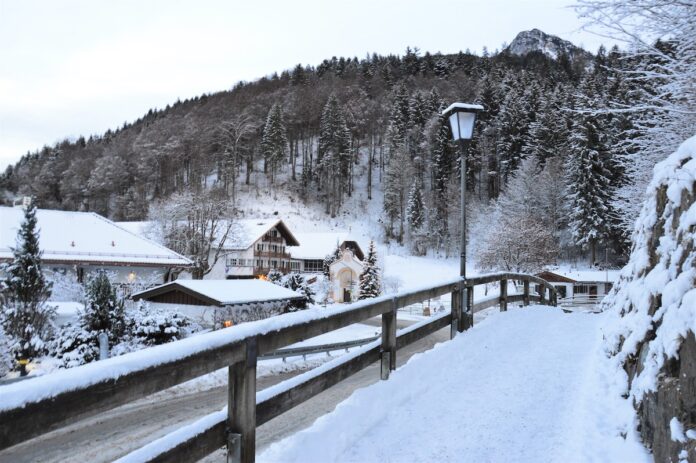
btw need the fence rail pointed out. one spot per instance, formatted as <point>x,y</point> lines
<point>57,400</point>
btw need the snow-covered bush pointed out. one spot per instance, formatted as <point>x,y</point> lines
<point>297,283</point>
<point>148,326</point>
<point>73,345</point>
<point>274,276</point>
<point>143,326</point>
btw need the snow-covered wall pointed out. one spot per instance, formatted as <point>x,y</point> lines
<point>651,337</point>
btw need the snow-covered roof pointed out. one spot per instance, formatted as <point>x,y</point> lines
<point>246,232</point>
<point>317,245</point>
<point>225,292</point>
<point>470,107</point>
<point>84,237</point>
<point>588,275</point>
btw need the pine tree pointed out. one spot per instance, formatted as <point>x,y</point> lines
<point>589,188</point>
<point>370,282</point>
<point>441,151</point>
<point>415,212</point>
<point>274,140</point>
<point>333,158</point>
<point>104,310</point>
<point>25,317</point>
<point>330,259</point>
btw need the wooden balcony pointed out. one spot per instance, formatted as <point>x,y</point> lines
<point>272,254</point>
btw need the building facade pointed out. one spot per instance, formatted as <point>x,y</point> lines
<point>254,248</point>
<point>77,244</point>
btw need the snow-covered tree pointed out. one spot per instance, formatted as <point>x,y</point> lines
<point>26,318</point>
<point>275,139</point>
<point>330,259</point>
<point>104,310</point>
<point>370,281</point>
<point>519,233</point>
<point>589,189</point>
<point>658,68</point>
<point>415,214</point>
<point>196,225</point>
<point>333,156</point>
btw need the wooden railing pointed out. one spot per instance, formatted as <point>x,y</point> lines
<point>52,401</point>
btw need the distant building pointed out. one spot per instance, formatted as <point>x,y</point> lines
<point>580,284</point>
<point>315,246</point>
<point>215,302</point>
<point>79,243</point>
<point>345,277</point>
<point>254,247</point>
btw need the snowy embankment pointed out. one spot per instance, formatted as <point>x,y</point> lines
<point>525,385</point>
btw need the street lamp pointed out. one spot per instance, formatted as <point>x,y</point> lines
<point>462,117</point>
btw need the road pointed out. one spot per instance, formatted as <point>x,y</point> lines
<point>116,432</point>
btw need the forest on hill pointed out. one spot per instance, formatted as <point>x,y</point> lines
<point>547,168</point>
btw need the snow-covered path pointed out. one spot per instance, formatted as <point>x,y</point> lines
<point>522,386</point>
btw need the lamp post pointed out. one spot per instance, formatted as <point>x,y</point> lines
<point>462,117</point>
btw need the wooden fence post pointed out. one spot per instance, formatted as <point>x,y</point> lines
<point>503,294</point>
<point>456,312</point>
<point>389,341</point>
<point>554,298</point>
<point>241,407</point>
<point>467,320</point>
<point>525,297</point>
<point>542,295</point>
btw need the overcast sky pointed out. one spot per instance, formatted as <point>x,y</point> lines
<point>70,67</point>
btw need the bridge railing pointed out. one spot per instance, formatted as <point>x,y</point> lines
<point>37,406</point>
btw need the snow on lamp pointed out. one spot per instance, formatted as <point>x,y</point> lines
<point>462,117</point>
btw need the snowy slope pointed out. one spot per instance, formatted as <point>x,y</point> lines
<point>521,386</point>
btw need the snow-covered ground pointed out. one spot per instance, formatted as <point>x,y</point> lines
<point>526,385</point>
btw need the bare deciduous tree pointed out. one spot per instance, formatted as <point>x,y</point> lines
<point>196,225</point>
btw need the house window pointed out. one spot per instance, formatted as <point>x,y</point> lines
<point>313,265</point>
<point>259,247</point>
<point>561,289</point>
<point>295,265</point>
<point>274,264</point>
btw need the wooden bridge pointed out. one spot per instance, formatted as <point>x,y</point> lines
<point>42,405</point>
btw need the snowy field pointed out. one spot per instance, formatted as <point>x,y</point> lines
<point>524,386</point>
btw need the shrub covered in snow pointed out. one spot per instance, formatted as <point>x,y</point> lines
<point>149,326</point>
<point>75,344</point>
<point>298,283</point>
<point>654,303</point>
<point>274,276</point>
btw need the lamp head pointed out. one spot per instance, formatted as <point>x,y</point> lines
<point>462,117</point>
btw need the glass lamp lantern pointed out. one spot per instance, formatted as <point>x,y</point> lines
<point>462,117</point>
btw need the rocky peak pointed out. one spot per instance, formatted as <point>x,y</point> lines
<point>550,45</point>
